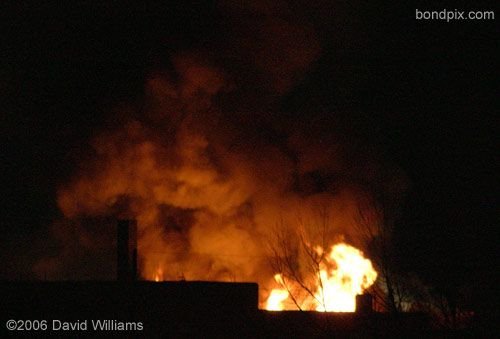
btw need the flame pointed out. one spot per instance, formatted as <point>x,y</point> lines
<point>158,274</point>
<point>207,189</point>
<point>343,274</point>
<point>277,296</point>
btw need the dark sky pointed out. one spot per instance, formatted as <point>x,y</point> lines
<point>426,91</point>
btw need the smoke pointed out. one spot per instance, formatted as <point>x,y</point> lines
<point>209,168</point>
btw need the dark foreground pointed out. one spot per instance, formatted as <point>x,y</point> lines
<point>181,310</point>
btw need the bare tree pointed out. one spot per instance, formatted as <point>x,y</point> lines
<point>299,256</point>
<point>297,262</point>
<point>375,226</point>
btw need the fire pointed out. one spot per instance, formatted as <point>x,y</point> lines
<point>158,275</point>
<point>343,273</point>
<point>277,296</point>
<point>207,188</point>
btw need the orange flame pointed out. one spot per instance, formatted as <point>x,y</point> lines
<point>343,274</point>
<point>277,296</point>
<point>158,274</point>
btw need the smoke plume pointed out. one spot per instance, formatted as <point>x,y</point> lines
<point>209,165</point>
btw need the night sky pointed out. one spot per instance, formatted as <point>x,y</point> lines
<point>426,92</point>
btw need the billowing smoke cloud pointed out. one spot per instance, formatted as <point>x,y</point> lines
<point>208,173</point>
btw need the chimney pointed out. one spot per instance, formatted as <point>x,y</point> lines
<point>126,250</point>
<point>364,303</point>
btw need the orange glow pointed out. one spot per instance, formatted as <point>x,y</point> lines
<point>208,192</point>
<point>277,296</point>
<point>343,274</point>
<point>158,275</point>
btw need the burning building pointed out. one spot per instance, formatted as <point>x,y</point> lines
<point>210,189</point>
<point>189,309</point>
<point>214,169</point>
